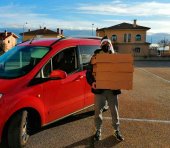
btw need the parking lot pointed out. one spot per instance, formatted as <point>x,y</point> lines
<point>144,116</point>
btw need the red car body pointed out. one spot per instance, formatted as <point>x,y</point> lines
<point>52,99</point>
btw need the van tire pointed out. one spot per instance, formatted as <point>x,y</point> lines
<point>18,130</point>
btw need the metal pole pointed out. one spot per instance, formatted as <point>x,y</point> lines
<point>164,46</point>
<point>92,29</point>
<point>23,31</point>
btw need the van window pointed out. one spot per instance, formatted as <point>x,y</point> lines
<point>86,52</point>
<point>65,60</point>
<point>20,60</point>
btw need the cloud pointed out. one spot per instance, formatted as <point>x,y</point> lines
<point>14,15</point>
<point>124,9</point>
<point>155,25</point>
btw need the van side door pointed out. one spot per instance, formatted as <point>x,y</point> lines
<point>63,96</point>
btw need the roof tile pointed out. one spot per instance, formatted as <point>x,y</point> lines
<point>124,26</point>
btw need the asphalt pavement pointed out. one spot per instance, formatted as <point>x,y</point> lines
<point>144,116</point>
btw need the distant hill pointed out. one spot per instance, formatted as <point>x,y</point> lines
<point>156,37</point>
<point>67,32</point>
<point>151,38</point>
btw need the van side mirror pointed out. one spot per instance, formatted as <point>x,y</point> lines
<point>58,74</point>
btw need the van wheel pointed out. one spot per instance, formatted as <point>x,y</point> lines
<point>18,130</point>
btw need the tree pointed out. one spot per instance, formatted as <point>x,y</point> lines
<point>163,43</point>
<point>2,46</point>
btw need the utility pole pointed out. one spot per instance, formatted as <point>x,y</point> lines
<point>92,29</point>
<point>164,45</point>
<point>24,30</point>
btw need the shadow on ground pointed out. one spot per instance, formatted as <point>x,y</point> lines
<point>66,120</point>
<point>89,143</point>
<point>69,119</point>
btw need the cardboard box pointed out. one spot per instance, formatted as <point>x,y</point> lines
<point>113,67</point>
<point>126,85</point>
<point>113,71</point>
<point>113,76</point>
<point>112,58</point>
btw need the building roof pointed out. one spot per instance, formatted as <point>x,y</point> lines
<point>43,31</point>
<point>125,26</point>
<point>4,35</point>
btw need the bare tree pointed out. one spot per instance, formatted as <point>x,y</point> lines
<point>163,43</point>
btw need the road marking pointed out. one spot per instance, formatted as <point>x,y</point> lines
<point>140,120</point>
<point>154,75</point>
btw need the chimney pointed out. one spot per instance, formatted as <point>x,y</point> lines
<point>58,31</point>
<point>45,28</point>
<point>6,33</point>
<point>61,32</point>
<point>134,23</point>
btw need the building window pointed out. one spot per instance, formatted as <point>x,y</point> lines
<point>8,41</point>
<point>125,37</point>
<point>114,37</point>
<point>137,50</point>
<point>129,37</point>
<point>39,36</point>
<point>138,37</point>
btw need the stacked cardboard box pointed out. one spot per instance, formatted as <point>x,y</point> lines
<point>113,71</point>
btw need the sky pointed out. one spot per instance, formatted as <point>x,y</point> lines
<point>84,14</point>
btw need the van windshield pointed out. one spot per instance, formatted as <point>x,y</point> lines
<point>20,60</point>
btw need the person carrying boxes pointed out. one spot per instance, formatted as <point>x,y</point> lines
<point>103,95</point>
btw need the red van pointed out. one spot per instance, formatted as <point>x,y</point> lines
<point>42,81</point>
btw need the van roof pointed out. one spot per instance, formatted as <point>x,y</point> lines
<point>53,41</point>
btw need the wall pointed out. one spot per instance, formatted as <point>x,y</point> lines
<point>9,43</point>
<point>127,47</point>
<point>29,37</point>
<point>120,35</point>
